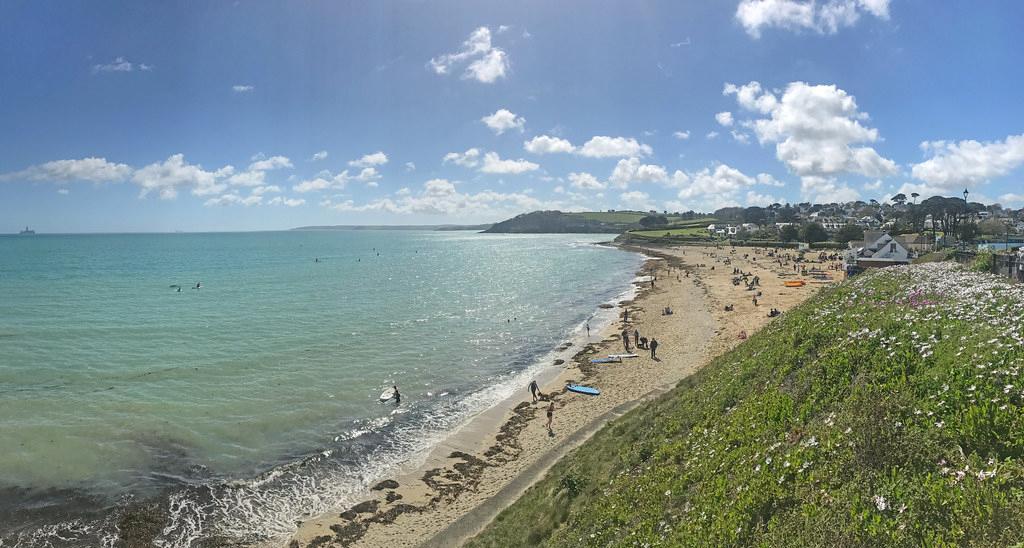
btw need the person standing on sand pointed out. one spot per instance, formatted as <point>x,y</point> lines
<point>625,340</point>
<point>534,389</point>
<point>654,348</point>
<point>588,330</point>
<point>551,415</point>
<point>636,337</point>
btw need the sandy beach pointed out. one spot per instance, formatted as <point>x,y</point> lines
<point>485,465</point>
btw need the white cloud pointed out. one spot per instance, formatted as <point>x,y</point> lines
<point>234,199</point>
<point>602,146</point>
<point>636,200</point>
<point>410,166</point>
<point>631,170</point>
<point>769,180</point>
<point>63,191</point>
<point>266,189</point>
<point>324,180</point>
<point>584,181</point>
<point>486,63</point>
<point>247,178</point>
<point>165,177</point>
<point>1012,198</point>
<point>681,135</point>
<point>740,137</point>
<point>967,163</point>
<point>815,130</point>
<point>376,159</point>
<point>267,164</point>
<point>440,197</point>
<point>120,64</point>
<point>824,17</point>
<point>93,170</point>
<point>242,88</point>
<point>877,184</point>
<point>494,164</point>
<point>545,144</point>
<point>724,118</point>
<point>290,202</point>
<point>503,120</point>
<point>711,135</point>
<point>322,155</point>
<point>470,158</point>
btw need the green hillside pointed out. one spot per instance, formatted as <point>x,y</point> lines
<point>610,222</point>
<point>888,411</point>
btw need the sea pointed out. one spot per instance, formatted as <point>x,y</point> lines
<point>232,380</point>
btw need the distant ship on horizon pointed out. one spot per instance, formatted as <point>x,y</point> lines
<point>27,232</point>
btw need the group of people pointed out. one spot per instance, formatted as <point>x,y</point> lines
<point>640,342</point>
<point>540,396</point>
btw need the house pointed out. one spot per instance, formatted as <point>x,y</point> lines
<point>984,215</point>
<point>916,243</point>
<point>749,227</point>
<point>832,224</point>
<point>879,250</point>
<point>732,230</point>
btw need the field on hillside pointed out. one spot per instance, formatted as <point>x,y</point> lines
<point>888,411</point>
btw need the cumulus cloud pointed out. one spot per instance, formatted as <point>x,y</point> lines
<point>681,135</point>
<point>818,134</point>
<point>322,155</point>
<point>410,166</point>
<point>822,17</point>
<point>967,163</point>
<point>711,135</point>
<point>710,189</point>
<point>375,159</point>
<point>602,146</point>
<point>585,181</point>
<point>242,88</point>
<point>440,197</point>
<point>470,158</point>
<point>724,118</point>
<point>324,180</point>
<point>503,120</point>
<point>636,200</point>
<point>166,177</point>
<point>632,170</point>
<point>740,137</point>
<point>120,64</point>
<point>234,199</point>
<point>290,202</point>
<point>486,63</point>
<point>494,164</point>
<point>267,164</point>
<point>93,170</point>
<point>545,144</point>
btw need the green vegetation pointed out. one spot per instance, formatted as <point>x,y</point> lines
<point>888,411</point>
<point>590,221</point>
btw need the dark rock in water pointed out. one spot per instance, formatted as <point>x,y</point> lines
<point>392,497</point>
<point>559,361</point>
<point>140,525</point>
<point>345,534</point>
<point>606,305</point>
<point>386,484</point>
<point>348,514</point>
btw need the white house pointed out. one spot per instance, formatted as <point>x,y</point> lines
<point>878,250</point>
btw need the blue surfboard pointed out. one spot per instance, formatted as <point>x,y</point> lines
<point>605,360</point>
<point>580,389</point>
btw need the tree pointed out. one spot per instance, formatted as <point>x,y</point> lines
<point>991,227</point>
<point>786,215</point>
<point>756,215</point>
<point>849,233</point>
<point>653,220</point>
<point>789,233</point>
<point>813,232</point>
<point>899,199</point>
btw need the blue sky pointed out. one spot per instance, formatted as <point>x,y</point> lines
<point>166,116</point>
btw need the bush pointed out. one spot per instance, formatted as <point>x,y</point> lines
<point>983,262</point>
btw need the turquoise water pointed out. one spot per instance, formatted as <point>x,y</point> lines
<point>251,402</point>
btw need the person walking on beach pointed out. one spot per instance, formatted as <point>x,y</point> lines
<point>625,340</point>
<point>636,337</point>
<point>588,330</point>
<point>551,415</point>
<point>534,389</point>
<point>654,348</point>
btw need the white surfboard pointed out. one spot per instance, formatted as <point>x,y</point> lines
<point>387,394</point>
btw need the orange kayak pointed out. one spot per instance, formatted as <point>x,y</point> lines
<point>795,283</point>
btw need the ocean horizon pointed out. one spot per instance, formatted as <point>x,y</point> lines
<point>251,402</point>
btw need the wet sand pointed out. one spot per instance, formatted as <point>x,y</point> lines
<point>486,465</point>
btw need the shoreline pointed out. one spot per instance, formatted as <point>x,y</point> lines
<point>484,466</point>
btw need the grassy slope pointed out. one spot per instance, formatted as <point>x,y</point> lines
<point>888,411</point>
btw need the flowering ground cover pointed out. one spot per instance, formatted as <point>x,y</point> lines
<point>888,411</point>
